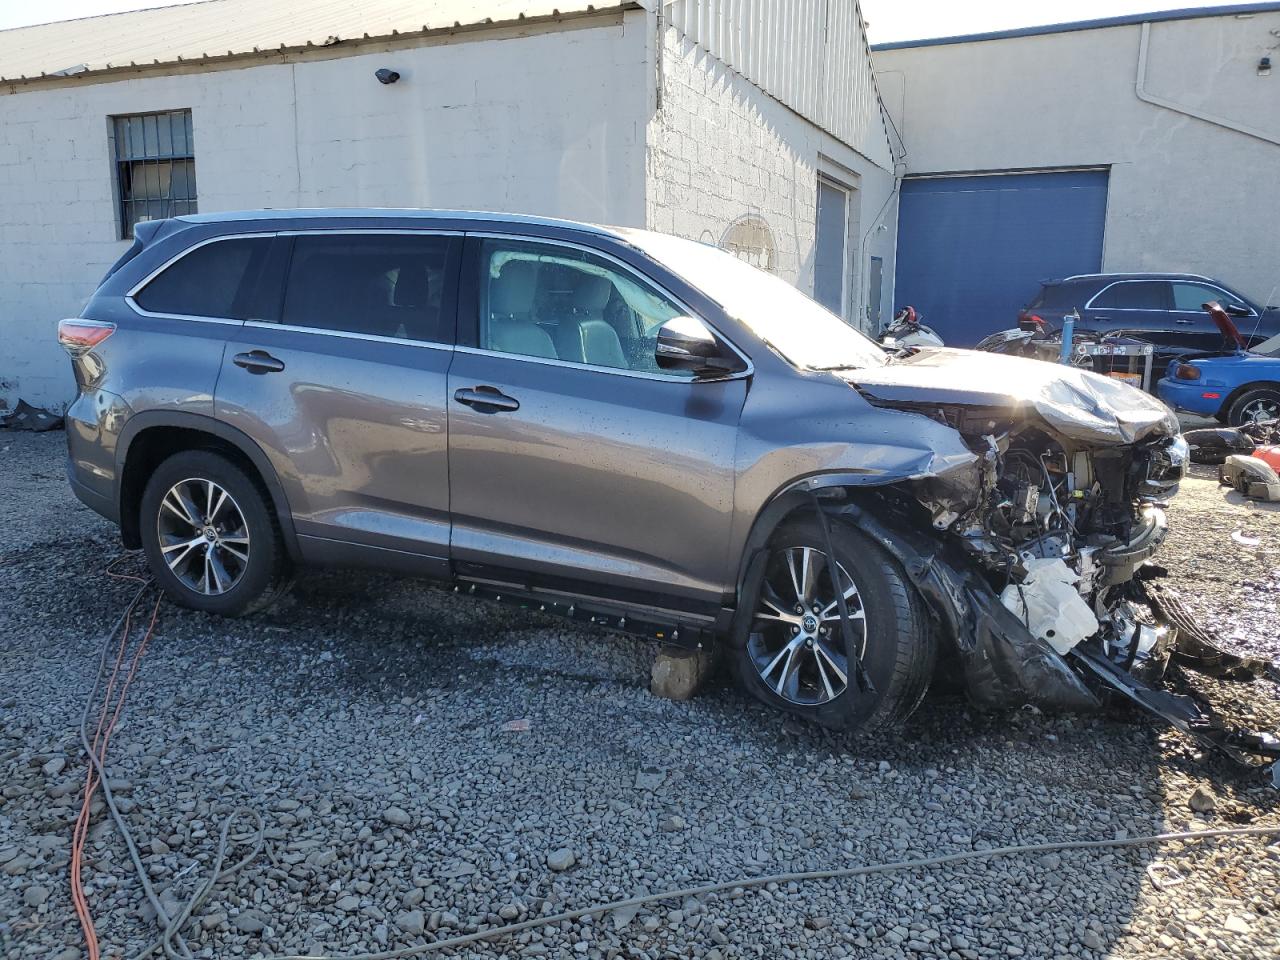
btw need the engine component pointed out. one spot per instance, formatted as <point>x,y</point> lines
<point>1048,602</point>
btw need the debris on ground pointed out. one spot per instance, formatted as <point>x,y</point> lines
<point>1251,477</point>
<point>34,419</point>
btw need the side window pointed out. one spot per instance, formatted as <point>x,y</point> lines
<point>385,285</point>
<point>1134,295</point>
<point>215,280</point>
<point>562,303</point>
<point>1192,296</point>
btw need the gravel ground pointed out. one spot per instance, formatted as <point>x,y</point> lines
<point>364,719</point>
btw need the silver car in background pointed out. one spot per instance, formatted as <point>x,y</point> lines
<point>622,426</point>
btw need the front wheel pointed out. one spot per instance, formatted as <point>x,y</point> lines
<point>210,536</point>
<point>787,646</point>
<point>1255,407</point>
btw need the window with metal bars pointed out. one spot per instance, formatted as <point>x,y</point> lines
<point>155,167</point>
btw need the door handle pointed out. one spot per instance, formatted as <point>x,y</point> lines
<point>258,361</point>
<point>1103,319</point>
<point>486,399</point>
<point>1184,321</point>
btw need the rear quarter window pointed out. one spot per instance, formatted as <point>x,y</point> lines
<point>1057,296</point>
<point>213,280</point>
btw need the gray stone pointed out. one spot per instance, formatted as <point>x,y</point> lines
<point>396,817</point>
<point>561,859</point>
<point>35,896</point>
<point>1202,800</point>
<point>54,767</point>
<point>348,904</point>
<point>251,921</point>
<point>412,922</point>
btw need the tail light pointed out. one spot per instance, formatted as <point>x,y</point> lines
<point>1186,371</point>
<point>78,337</point>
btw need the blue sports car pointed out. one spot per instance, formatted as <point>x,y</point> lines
<point>1239,387</point>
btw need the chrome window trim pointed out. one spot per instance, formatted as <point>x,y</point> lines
<point>644,278</point>
<point>1092,276</point>
<point>346,334</point>
<point>137,287</point>
<point>594,368</point>
<point>1169,280</point>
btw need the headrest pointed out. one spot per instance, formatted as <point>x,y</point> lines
<point>512,291</point>
<point>592,292</point>
<point>413,286</point>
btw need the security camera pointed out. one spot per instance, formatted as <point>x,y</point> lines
<point>387,76</point>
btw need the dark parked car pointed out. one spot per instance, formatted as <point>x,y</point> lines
<point>1161,308</point>
<point>620,425</point>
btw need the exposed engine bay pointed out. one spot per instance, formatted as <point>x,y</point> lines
<point>1039,563</point>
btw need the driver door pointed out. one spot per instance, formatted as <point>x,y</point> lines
<point>574,460</point>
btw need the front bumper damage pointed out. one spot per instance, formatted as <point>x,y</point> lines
<point>1035,554</point>
<point>1005,664</point>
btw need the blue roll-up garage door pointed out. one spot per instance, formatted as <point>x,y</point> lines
<point>972,250</point>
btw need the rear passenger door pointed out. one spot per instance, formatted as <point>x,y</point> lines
<point>340,377</point>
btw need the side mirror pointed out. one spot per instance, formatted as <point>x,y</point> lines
<point>685,343</point>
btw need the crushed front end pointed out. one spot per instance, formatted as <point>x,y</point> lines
<point>1038,557</point>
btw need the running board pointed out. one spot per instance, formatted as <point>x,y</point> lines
<point>650,623</point>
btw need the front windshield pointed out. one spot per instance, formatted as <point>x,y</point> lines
<point>804,332</point>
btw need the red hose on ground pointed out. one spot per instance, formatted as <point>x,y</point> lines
<point>101,740</point>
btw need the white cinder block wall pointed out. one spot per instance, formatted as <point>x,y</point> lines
<point>498,121</point>
<point>1185,194</point>
<point>555,120</point>
<point>722,150</point>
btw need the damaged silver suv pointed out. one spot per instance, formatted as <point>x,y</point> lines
<point>623,427</point>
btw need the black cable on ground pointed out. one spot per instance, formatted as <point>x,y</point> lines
<point>1192,836</point>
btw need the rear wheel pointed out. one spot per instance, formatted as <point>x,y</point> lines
<point>1255,406</point>
<point>210,535</point>
<point>788,649</point>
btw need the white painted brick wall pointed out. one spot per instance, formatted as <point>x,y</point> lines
<point>720,149</point>
<point>550,123</point>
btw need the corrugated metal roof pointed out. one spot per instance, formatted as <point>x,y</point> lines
<point>217,28</point>
<point>1186,13</point>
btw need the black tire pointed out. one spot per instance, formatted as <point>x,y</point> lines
<point>1240,412</point>
<point>255,583</point>
<point>900,649</point>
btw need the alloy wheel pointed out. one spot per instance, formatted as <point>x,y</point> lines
<point>796,643</point>
<point>204,538</point>
<point>1260,410</point>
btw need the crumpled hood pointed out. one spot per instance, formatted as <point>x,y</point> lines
<point>1077,403</point>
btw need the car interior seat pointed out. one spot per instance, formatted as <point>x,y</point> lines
<point>511,325</point>
<point>584,336</point>
<point>411,307</point>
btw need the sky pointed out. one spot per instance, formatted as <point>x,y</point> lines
<point>888,19</point>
